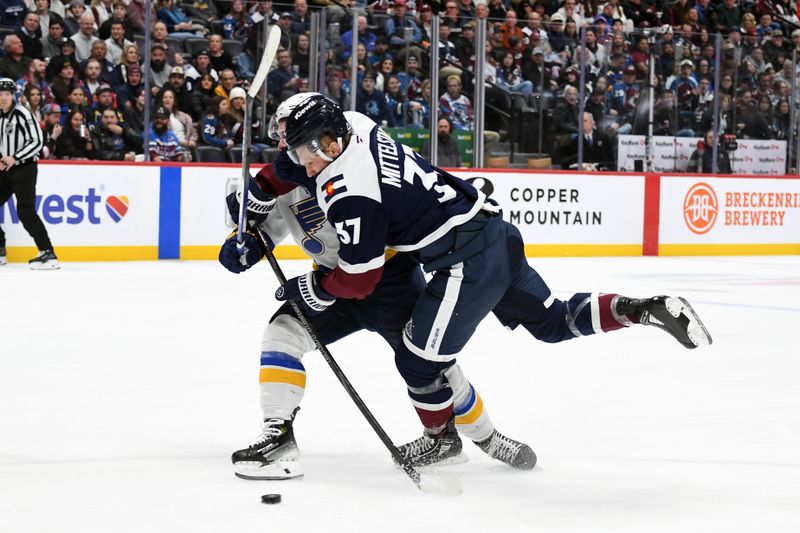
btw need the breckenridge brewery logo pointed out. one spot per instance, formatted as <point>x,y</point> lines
<point>700,208</point>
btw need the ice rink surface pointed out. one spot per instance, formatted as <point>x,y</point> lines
<point>124,388</point>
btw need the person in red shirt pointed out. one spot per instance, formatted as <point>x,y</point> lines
<point>641,57</point>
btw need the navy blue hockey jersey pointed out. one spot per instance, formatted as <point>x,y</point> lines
<point>379,194</point>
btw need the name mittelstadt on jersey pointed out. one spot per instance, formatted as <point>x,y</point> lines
<point>388,160</point>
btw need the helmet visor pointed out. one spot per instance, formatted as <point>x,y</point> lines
<point>273,129</point>
<point>306,152</point>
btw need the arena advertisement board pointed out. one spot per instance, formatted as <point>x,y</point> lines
<point>570,214</point>
<point>204,223</point>
<point>672,154</point>
<point>101,212</point>
<point>756,157</point>
<point>91,212</point>
<point>702,214</point>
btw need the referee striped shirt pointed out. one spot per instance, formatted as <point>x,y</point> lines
<point>20,135</point>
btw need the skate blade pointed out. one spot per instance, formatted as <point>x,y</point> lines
<point>277,471</point>
<point>50,265</point>
<point>696,331</point>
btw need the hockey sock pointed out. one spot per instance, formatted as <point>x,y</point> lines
<point>472,418</point>
<point>434,404</point>
<point>589,313</point>
<point>282,380</point>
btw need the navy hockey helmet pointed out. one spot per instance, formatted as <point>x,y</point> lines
<point>8,85</point>
<point>308,123</point>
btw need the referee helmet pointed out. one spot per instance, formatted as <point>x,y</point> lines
<point>7,84</point>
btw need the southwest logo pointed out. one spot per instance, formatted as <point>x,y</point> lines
<point>73,209</point>
<point>117,206</point>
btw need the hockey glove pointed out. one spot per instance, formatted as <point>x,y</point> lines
<point>287,170</point>
<point>238,260</point>
<point>259,203</point>
<point>307,292</point>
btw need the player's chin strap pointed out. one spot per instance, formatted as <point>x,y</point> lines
<point>426,485</point>
<point>324,156</point>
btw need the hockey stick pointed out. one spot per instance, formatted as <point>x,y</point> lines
<point>273,41</point>
<point>441,485</point>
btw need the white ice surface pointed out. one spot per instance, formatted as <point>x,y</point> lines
<point>124,387</point>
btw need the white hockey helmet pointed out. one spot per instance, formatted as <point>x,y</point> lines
<point>284,110</point>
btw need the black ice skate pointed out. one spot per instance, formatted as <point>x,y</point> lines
<point>441,449</point>
<point>3,259</point>
<point>274,456</point>
<point>46,260</point>
<point>673,315</point>
<point>513,453</point>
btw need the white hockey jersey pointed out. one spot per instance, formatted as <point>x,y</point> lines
<point>297,213</point>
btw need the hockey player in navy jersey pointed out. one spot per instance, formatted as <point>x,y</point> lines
<point>279,208</point>
<point>379,195</point>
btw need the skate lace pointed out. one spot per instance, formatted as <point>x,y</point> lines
<point>503,448</point>
<point>417,447</point>
<point>272,428</point>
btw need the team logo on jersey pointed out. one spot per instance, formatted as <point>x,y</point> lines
<point>700,208</point>
<point>334,186</point>
<point>311,219</point>
<point>117,207</point>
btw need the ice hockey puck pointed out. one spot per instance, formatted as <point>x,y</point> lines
<point>271,498</point>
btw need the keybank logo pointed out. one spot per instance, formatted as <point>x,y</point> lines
<point>74,209</point>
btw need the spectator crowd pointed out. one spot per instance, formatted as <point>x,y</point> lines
<point>80,67</point>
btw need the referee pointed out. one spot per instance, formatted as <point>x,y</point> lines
<point>20,143</point>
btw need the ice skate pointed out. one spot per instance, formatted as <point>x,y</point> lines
<point>672,314</point>
<point>3,258</point>
<point>46,260</point>
<point>513,453</point>
<point>442,449</point>
<point>274,456</point>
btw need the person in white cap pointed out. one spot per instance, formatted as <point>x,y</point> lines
<point>238,102</point>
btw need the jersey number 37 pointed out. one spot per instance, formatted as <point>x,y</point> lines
<point>352,236</point>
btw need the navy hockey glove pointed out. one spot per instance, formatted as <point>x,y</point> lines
<point>287,170</point>
<point>236,260</point>
<point>307,292</point>
<point>259,203</point>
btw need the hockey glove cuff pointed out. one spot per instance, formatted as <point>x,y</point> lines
<point>307,292</point>
<point>259,203</point>
<point>236,259</point>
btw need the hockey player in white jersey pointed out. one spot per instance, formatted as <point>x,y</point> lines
<point>280,208</point>
<point>380,195</point>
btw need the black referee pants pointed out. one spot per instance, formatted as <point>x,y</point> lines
<point>20,181</point>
